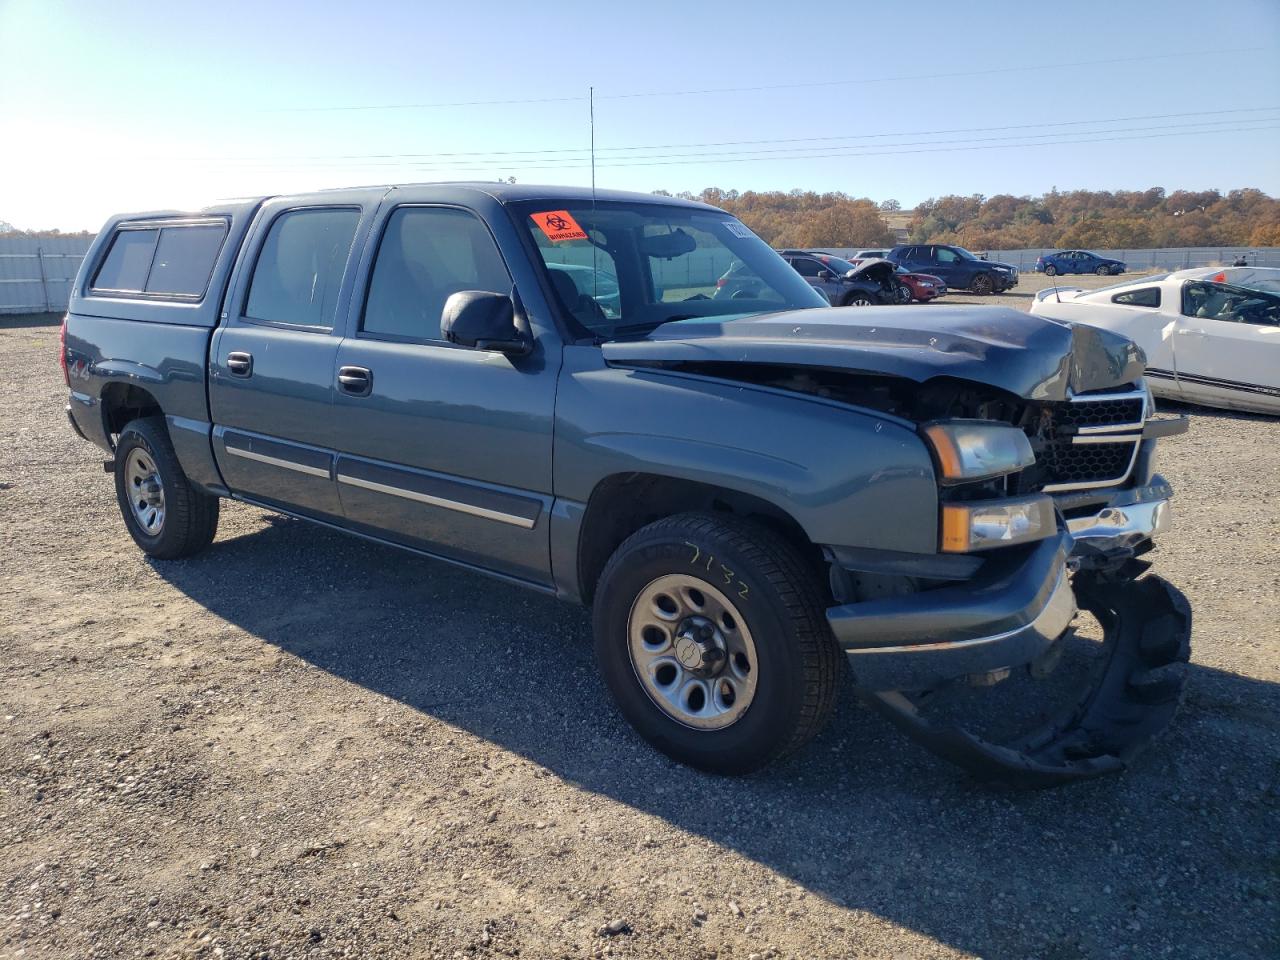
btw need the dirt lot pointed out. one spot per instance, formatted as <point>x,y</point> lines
<point>302,745</point>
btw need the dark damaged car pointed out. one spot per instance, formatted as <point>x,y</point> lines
<point>761,501</point>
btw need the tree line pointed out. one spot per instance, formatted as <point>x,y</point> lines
<point>1122,219</point>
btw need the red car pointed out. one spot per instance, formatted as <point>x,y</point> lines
<point>923,286</point>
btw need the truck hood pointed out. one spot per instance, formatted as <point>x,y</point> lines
<point>1036,358</point>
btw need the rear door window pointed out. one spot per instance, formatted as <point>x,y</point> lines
<point>806,267</point>
<point>128,261</point>
<point>184,259</point>
<point>300,267</point>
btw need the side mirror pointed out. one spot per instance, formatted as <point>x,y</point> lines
<point>484,320</point>
<point>825,274</point>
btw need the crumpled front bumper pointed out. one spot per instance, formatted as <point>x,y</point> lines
<point>1012,613</point>
<point>1124,524</point>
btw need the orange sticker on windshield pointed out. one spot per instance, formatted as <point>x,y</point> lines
<point>559,225</point>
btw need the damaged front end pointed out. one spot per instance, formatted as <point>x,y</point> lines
<point>1043,436</point>
<point>913,633</point>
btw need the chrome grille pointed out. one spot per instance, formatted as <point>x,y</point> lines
<point>1092,441</point>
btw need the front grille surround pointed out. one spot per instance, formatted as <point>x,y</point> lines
<point>1092,441</point>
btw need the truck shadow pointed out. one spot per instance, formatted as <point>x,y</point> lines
<point>861,817</point>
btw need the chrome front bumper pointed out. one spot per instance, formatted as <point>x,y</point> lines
<point>1124,523</point>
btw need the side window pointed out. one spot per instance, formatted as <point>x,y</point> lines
<point>806,267</point>
<point>299,269</point>
<point>426,255</point>
<point>1146,297</point>
<point>943,255</point>
<point>184,259</point>
<point>127,262</point>
<point>1221,301</point>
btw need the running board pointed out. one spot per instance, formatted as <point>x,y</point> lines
<point>1147,633</point>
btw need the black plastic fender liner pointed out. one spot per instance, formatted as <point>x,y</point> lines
<point>1147,638</point>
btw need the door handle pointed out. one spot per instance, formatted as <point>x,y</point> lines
<point>239,363</point>
<point>356,381</point>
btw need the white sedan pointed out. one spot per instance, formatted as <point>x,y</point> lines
<point>1211,336</point>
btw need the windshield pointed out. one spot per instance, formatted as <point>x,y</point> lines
<point>625,268</point>
<point>965,254</point>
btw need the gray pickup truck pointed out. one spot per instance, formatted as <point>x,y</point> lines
<point>751,492</point>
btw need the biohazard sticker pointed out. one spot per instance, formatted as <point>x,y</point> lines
<point>559,225</point>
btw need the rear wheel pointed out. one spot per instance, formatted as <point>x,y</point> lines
<point>166,516</point>
<point>861,300</point>
<point>711,636</point>
<point>982,284</point>
<point>1050,270</point>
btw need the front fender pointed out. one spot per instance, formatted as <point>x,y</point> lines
<point>847,476</point>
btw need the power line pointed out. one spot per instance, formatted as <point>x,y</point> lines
<point>872,153</point>
<point>918,76</point>
<point>734,143</point>
<point>789,153</point>
<point>992,71</point>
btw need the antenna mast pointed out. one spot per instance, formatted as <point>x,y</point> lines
<point>591,106</point>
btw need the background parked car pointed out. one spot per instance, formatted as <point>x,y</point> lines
<point>861,255</point>
<point>846,284</point>
<point>960,269</point>
<point>1077,261</point>
<point>921,287</point>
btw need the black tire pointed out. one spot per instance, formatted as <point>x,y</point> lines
<point>774,592</point>
<point>1103,270</point>
<point>190,516</point>
<point>1050,270</point>
<point>982,285</point>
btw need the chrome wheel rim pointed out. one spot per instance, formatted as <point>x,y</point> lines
<point>145,490</point>
<point>692,652</point>
<point>860,302</point>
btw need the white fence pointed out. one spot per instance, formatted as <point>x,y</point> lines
<point>36,273</point>
<point>1168,258</point>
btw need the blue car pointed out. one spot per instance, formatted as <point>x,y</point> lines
<point>1077,261</point>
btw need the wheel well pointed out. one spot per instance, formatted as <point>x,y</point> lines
<point>622,504</point>
<point>123,402</point>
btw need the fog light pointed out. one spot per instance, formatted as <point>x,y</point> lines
<point>984,524</point>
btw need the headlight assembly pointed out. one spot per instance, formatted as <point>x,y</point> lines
<point>977,449</point>
<point>984,524</point>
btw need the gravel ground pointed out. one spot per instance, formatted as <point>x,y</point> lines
<point>302,745</point>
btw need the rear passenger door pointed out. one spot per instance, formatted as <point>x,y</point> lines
<point>443,447</point>
<point>271,382</point>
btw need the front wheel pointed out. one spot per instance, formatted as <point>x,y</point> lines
<point>860,300</point>
<point>166,516</point>
<point>982,284</point>
<point>710,634</point>
<point>1103,270</point>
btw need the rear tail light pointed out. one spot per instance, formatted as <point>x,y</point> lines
<point>62,351</point>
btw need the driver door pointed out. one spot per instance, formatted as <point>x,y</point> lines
<point>442,447</point>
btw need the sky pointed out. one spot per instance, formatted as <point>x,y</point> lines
<point>130,105</point>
